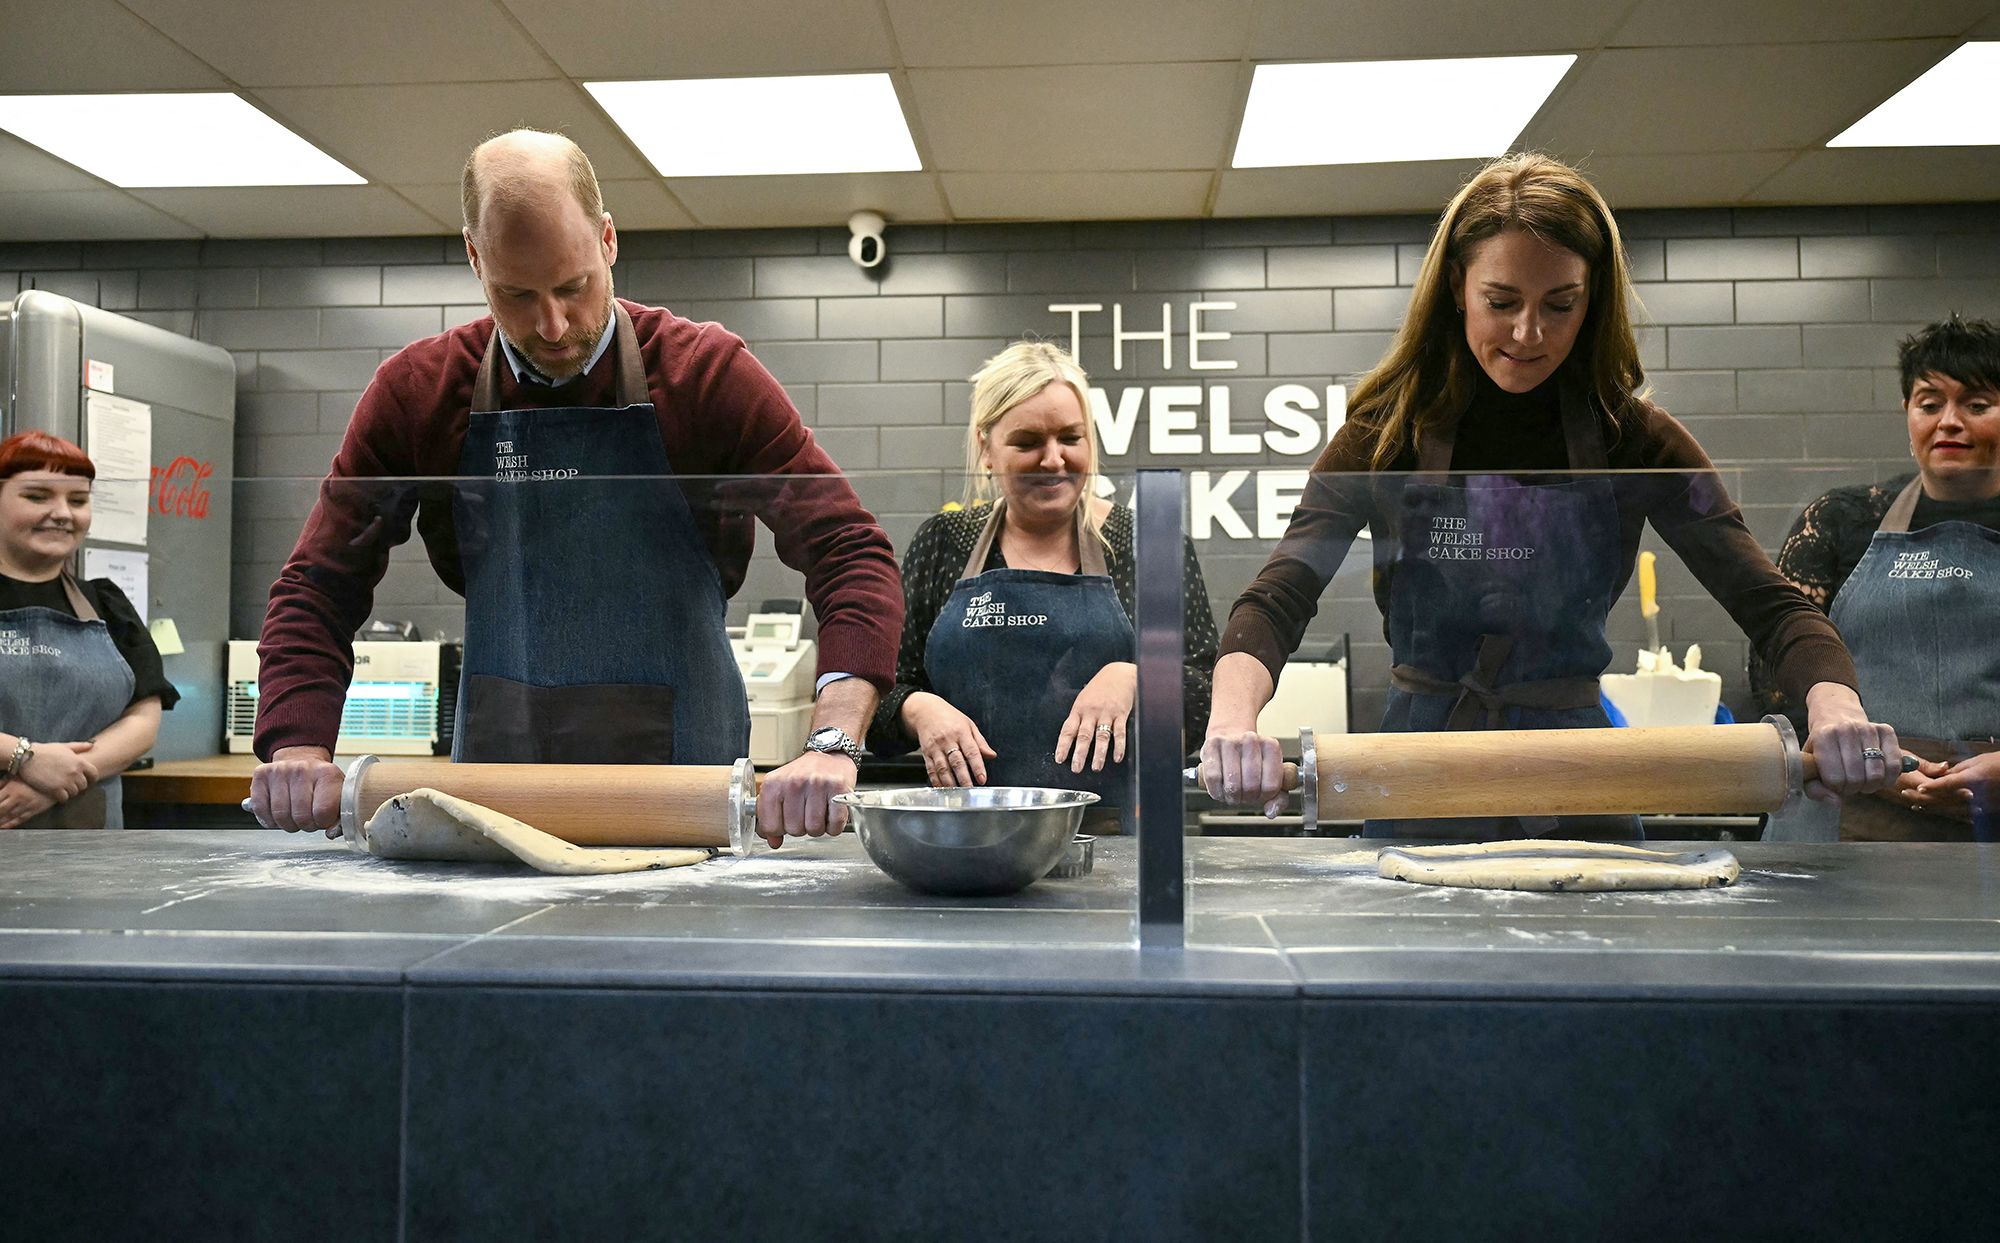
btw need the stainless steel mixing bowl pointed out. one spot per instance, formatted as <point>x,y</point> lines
<point>982,840</point>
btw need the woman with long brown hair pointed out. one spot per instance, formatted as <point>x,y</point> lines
<point>1505,458</point>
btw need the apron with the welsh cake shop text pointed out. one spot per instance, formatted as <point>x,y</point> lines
<point>62,679</point>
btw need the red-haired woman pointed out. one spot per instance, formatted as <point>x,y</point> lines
<point>81,688</point>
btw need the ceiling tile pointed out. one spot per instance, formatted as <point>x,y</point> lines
<point>423,133</point>
<point>633,204</point>
<point>1342,189</point>
<point>1886,175</point>
<point>294,211</point>
<point>24,166</point>
<point>829,199</point>
<point>1655,23</point>
<point>933,33</point>
<point>679,39</point>
<point>1650,101</point>
<point>1680,181</point>
<point>1075,196</point>
<point>1141,117</point>
<point>92,45</point>
<point>1387,29</point>
<point>262,43</point>
<point>83,216</point>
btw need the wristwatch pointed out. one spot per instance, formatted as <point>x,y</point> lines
<point>829,739</point>
<point>25,751</point>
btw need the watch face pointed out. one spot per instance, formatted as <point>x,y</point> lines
<point>826,735</point>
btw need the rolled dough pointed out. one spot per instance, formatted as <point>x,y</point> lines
<point>1556,867</point>
<point>430,824</point>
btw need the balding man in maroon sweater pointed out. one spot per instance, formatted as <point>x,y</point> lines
<point>559,459</point>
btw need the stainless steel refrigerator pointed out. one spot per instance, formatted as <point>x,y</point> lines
<point>166,405</point>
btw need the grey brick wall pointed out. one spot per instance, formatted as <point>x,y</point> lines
<point>1770,332</point>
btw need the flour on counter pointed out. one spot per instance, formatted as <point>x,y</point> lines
<point>340,870</point>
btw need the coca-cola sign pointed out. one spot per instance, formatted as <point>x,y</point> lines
<point>178,490</point>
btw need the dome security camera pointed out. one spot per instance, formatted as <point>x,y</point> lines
<point>866,246</point>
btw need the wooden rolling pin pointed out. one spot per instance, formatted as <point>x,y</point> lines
<point>1690,769</point>
<point>588,804</point>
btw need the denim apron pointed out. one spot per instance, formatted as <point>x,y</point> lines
<point>62,679</point>
<point>1497,609</point>
<point>594,615</point>
<point>1012,648</point>
<point>1918,613</point>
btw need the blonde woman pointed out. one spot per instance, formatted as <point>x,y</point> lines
<point>1016,666</point>
<point>1516,359</point>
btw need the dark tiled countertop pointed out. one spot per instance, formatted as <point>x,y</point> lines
<point>1268,917</point>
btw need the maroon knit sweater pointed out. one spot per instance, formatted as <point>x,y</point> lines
<point>721,414</point>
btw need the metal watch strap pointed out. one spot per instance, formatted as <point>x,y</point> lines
<point>23,752</point>
<point>846,746</point>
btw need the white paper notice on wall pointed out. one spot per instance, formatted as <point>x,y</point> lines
<point>99,376</point>
<point>127,569</point>
<point>118,435</point>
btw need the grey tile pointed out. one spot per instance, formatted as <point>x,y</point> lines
<point>239,252</point>
<point>1646,258</point>
<point>10,284</point>
<point>1702,349</point>
<point>813,276</point>
<point>1854,345</point>
<point>221,288</point>
<point>1888,389</point>
<point>277,414</point>
<point>1140,360</point>
<point>1293,267</point>
<point>1868,255</point>
<point>1747,437</point>
<point>962,237</point>
<point>1818,301</point>
<point>1932,300</point>
<point>1240,1178</point>
<point>1805,391</point>
<point>1137,235</point>
<point>944,274</point>
<point>673,280</point>
<point>76,286</point>
<point>753,242</point>
<point>393,327</point>
<point>1830,437</point>
<point>653,243</point>
<point>1652,342</point>
<point>179,322</point>
<point>1260,310</point>
<point>141,254</point>
<point>167,288</point>
<point>1273,231</point>
<point>816,362</point>
<point>881,317</point>
<point>318,286</point>
<point>1694,392</point>
<point>1326,353</point>
<point>1934,218</point>
<point>1675,222</point>
<point>1018,315</point>
<point>285,370</point>
<point>27,255</point>
<point>1363,309</point>
<point>260,330</point>
<point>852,448</point>
<point>940,448</point>
<point>758,319</point>
<point>1201,269</point>
<point>804,398</point>
<point>856,405</point>
<point>118,291</point>
<point>393,249</point>
<point>1724,259</point>
<point>1799,221</point>
<point>1960,255</point>
<point>336,410</point>
<point>948,359</point>
<point>425,284</point>
<point>903,239</point>
<point>296,457</point>
<point>186,1081</point>
<point>1071,272</point>
<point>1409,262</point>
<point>1684,302</point>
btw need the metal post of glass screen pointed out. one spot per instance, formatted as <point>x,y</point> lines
<point>1160,748</point>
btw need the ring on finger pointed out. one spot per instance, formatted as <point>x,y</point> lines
<point>1872,753</point>
<point>1104,730</point>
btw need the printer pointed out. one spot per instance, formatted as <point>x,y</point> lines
<point>779,669</point>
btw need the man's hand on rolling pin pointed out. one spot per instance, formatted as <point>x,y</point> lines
<point>299,790</point>
<point>1970,780</point>
<point>797,800</point>
<point>1838,731</point>
<point>1242,768</point>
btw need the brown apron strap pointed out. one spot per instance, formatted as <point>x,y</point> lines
<point>982,547</point>
<point>630,389</point>
<point>1480,703</point>
<point>78,602</point>
<point>1897,520</point>
<point>1089,549</point>
<point>1583,437</point>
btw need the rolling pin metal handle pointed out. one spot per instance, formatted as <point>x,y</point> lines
<point>1302,777</point>
<point>743,807</point>
<point>349,827</point>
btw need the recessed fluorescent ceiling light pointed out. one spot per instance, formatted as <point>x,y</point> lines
<point>735,127</point>
<point>1951,106</point>
<point>150,141</point>
<point>1387,111</point>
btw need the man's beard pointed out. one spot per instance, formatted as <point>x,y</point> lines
<point>581,340</point>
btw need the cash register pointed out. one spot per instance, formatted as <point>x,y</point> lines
<point>778,673</point>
